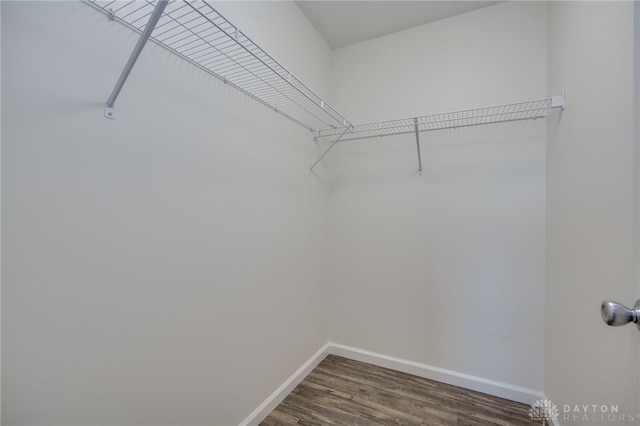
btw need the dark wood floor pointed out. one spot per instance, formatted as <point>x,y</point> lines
<point>340,391</point>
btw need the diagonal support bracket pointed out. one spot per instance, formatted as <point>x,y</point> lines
<point>415,123</point>
<point>346,129</point>
<point>109,111</point>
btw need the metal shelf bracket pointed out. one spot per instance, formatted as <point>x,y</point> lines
<point>109,112</point>
<point>415,121</point>
<point>558,101</point>
<point>346,129</point>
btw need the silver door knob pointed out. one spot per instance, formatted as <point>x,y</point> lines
<point>615,314</point>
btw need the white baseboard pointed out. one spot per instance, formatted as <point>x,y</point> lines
<point>263,410</point>
<point>491,387</point>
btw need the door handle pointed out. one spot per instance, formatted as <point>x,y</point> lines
<point>615,314</point>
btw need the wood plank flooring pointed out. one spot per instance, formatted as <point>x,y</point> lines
<point>340,391</point>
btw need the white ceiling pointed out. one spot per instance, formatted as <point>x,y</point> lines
<point>346,22</point>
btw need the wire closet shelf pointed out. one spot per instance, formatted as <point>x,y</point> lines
<point>195,31</point>
<point>528,110</point>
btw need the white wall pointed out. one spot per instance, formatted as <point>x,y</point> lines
<point>590,219</point>
<point>446,268</point>
<point>0,219</point>
<point>168,267</point>
<point>171,267</point>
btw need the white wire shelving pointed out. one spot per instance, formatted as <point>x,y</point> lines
<point>195,31</point>
<point>528,110</point>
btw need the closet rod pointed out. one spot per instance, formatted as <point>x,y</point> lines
<point>109,112</point>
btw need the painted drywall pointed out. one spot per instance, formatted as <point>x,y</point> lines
<point>447,268</point>
<point>590,218</point>
<point>0,217</point>
<point>168,267</point>
<point>126,301</point>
